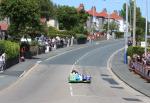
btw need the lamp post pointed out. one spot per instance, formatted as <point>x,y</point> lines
<point>108,24</point>
<point>126,34</point>
<point>93,21</point>
<point>146,27</point>
<point>134,23</point>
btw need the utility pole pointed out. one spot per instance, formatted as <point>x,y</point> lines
<point>146,27</point>
<point>126,34</point>
<point>130,18</point>
<point>134,23</point>
<point>93,21</point>
<point>108,24</point>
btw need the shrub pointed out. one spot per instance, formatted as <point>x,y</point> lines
<point>53,32</point>
<point>81,38</point>
<point>135,50</point>
<point>10,48</point>
<point>119,34</point>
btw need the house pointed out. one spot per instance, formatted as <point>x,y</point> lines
<point>118,19</point>
<point>96,20</point>
<point>4,24</point>
<point>53,23</point>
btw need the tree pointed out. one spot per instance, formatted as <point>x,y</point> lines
<point>24,15</point>
<point>46,8</point>
<point>67,17</point>
<point>82,18</point>
<point>113,26</point>
<point>71,19</point>
<point>140,21</point>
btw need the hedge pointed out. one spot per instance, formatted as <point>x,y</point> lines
<point>119,34</point>
<point>10,48</point>
<point>135,50</point>
<point>81,38</point>
<point>53,32</point>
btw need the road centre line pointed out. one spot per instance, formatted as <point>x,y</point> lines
<point>32,68</point>
<point>73,66</point>
<point>84,56</point>
<point>73,50</point>
<point>64,53</point>
<point>71,90</point>
<point>25,73</point>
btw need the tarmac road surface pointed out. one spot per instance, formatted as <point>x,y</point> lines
<point>47,81</point>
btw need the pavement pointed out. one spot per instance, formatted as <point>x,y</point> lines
<point>121,70</point>
<point>15,72</point>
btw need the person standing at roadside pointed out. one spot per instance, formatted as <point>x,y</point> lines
<point>2,61</point>
<point>72,39</point>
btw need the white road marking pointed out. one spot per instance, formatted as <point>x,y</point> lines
<point>97,43</point>
<point>109,66</point>
<point>22,77</point>
<point>22,73</point>
<point>71,90</point>
<point>122,83</point>
<point>74,65</point>
<point>30,68</point>
<point>25,73</point>
<point>65,53</point>
<point>86,54</point>
<point>39,61</point>
<point>86,96</point>
<point>2,76</point>
<point>72,50</point>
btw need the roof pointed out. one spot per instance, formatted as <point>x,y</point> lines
<point>3,26</point>
<point>115,16</point>
<point>92,12</point>
<point>103,14</point>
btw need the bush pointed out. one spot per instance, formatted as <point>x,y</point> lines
<point>135,50</point>
<point>119,34</point>
<point>81,38</point>
<point>53,32</point>
<point>10,48</point>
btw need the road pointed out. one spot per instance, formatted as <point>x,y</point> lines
<point>46,82</point>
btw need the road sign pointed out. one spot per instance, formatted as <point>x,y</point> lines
<point>143,44</point>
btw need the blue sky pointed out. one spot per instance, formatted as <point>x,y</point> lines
<point>100,4</point>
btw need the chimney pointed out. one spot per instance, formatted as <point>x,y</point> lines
<point>104,10</point>
<point>81,7</point>
<point>93,8</point>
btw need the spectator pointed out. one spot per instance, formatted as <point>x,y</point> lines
<point>72,39</point>
<point>2,61</point>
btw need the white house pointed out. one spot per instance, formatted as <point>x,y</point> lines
<point>53,23</point>
<point>96,20</point>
